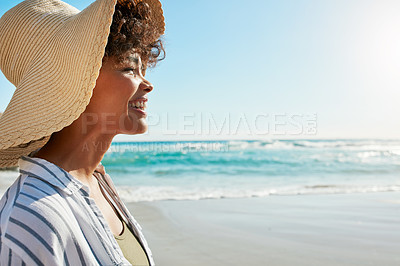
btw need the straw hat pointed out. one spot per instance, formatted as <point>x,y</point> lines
<point>52,53</point>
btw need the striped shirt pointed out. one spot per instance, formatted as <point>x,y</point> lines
<point>48,218</point>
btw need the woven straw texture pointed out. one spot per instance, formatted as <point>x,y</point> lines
<point>52,53</point>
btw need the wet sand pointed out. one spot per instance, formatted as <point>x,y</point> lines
<point>345,229</point>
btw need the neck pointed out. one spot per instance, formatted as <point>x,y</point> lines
<point>77,153</point>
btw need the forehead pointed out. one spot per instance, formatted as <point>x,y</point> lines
<point>123,60</point>
<point>129,57</point>
<point>132,58</point>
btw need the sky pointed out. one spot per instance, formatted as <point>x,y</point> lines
<point>262,69</point>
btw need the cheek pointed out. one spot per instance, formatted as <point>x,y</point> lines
<point>119,93</point>
<point>125,88</point>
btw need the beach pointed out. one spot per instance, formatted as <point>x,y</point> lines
<point>278,202</point>
<point>337,229</point>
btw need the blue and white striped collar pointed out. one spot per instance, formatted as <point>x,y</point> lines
<point>50,173</point>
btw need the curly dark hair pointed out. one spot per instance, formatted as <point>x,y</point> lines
<point>132,28</point>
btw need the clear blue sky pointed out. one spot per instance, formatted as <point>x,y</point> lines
<point>264,69</point>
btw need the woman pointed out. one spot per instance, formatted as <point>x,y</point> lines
<point>79,80</point>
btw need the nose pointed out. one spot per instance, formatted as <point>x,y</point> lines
<point>146,85</point>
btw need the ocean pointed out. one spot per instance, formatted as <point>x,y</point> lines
<point>194,170</point>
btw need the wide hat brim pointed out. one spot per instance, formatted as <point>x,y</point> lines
<point>54,83</point>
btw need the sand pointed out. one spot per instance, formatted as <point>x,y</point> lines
<point>346,229</point>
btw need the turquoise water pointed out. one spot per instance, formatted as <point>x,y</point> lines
<point>150,171</point>
<point>147,171</point>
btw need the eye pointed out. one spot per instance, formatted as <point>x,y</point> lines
<point>130,70</point>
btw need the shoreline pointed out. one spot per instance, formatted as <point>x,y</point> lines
<point>336,229</point>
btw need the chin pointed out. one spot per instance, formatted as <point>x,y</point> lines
<point>142,127</point>
<point>133,127</point>
<point>137,129</point>
<point>141,131</point>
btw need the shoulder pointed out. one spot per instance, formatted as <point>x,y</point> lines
<point>36,222</point>
<point>8,256</point>
<point>40,201</point>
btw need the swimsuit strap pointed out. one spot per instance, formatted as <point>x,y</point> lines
<point>113,198</point>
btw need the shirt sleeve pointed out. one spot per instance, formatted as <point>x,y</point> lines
<point>40,232</point>
<point>9,257</point>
